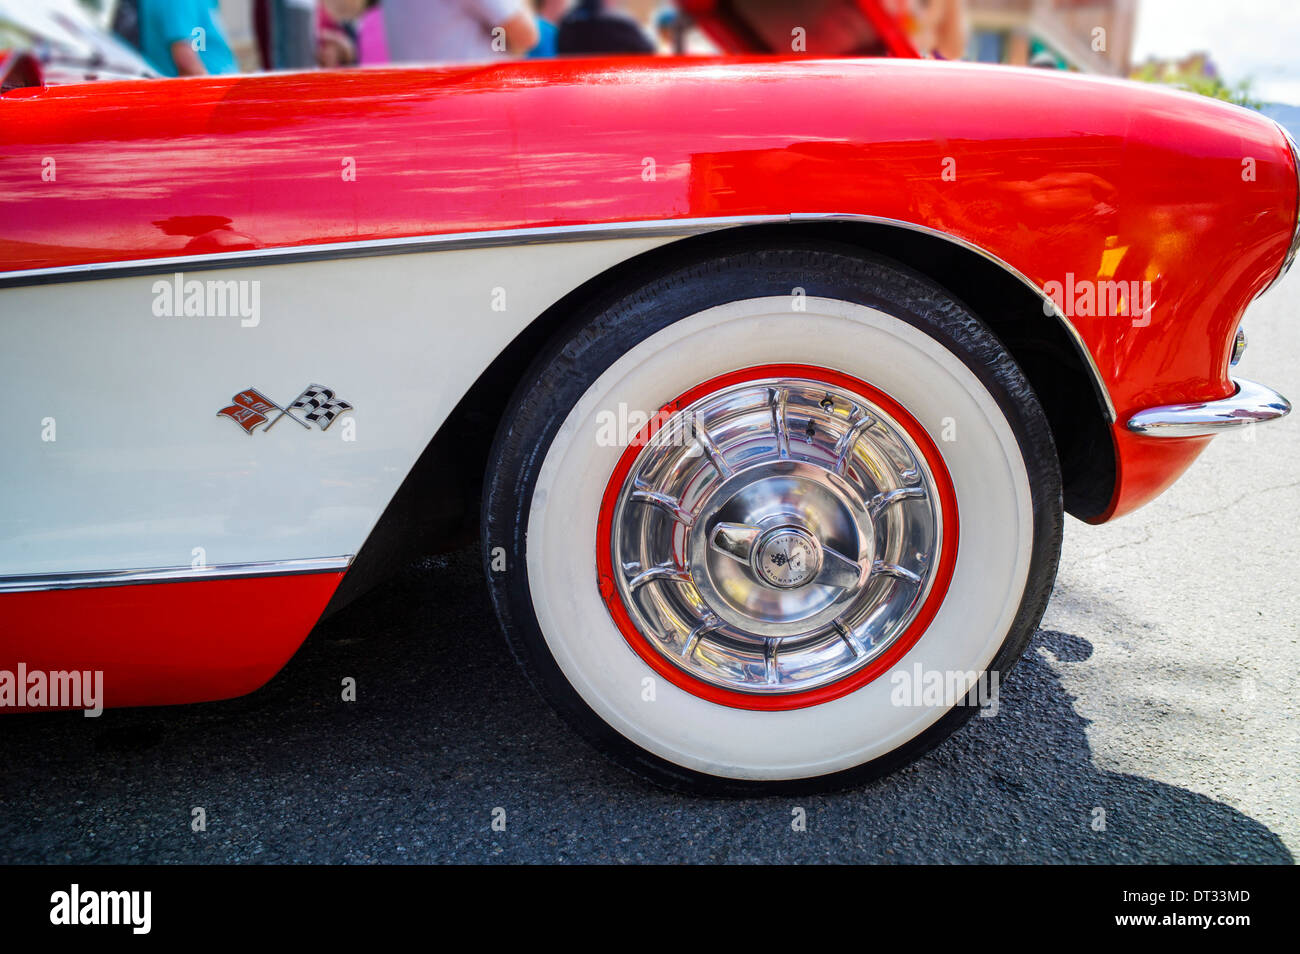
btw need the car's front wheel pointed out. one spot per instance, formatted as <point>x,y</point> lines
<point>771,518</point>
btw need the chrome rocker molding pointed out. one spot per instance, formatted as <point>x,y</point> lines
<point>1252,404</point>
<point>679,228</point>
<point>173,574</point>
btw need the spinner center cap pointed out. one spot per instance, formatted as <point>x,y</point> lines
<point>787,557</point>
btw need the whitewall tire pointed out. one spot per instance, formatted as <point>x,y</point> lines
<point>844,483</point>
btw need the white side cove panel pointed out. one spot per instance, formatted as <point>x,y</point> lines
<point>114,456</point>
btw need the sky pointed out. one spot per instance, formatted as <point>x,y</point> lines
<point>1259,39</point>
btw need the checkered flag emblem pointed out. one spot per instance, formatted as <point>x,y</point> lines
<point>319,405</point>
<point>315,405</point>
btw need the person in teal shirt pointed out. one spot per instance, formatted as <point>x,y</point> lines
<point>185,37</point>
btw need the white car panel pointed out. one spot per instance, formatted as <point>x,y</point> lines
<point>158,479</point>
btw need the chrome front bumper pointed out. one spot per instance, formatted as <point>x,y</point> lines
<point>1252,404</point>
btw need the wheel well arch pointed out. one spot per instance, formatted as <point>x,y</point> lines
<point>436,509</point>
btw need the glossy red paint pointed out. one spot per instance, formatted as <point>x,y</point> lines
<point>1066,178</point>
<point>947,557</point>
<point>165,643</point>
<point>1147,466</point>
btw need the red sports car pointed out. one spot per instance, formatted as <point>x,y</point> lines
<point>767,382</point>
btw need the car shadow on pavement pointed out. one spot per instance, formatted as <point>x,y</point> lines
<point>446,736</point>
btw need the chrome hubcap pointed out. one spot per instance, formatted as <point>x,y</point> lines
<point>776,536</point>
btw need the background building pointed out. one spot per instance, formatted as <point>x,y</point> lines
<point>1016,31</point>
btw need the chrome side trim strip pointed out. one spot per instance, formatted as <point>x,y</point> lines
<point>452,241</point>
<point>171,574</point>
<point>679,228</point>
<point>1251,404</point>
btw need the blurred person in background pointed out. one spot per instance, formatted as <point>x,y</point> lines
<point>449,31</point>
<point>548,15</point>
<point>937,27</point>
<point>594,26</point>
<point>348,33</point>
<point>670,30</point>
<point>126,22</point>
<point>336,45</point>
<point>184,37</point>
<point>286,33</point>
<point>371,41</point>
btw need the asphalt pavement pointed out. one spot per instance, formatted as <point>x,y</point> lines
<point>1153,719</point>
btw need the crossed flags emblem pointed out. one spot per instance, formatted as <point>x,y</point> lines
<point>317,405</point>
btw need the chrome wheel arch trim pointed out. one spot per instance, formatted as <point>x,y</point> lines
<point>674,228</point>
<point>1295,232</point>
<point>1049,305</point>
<point>1251,403</point>
<point>171,574</point>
